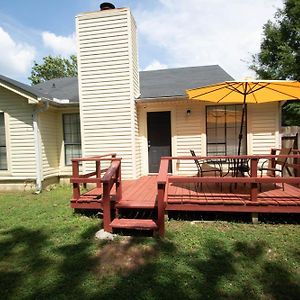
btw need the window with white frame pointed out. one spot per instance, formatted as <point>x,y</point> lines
<point>3,150</point>
<point>223,123</point>
<point>72,139</point>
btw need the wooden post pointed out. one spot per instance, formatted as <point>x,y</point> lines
<point>106,207</point>
<point>255,218</point>
<point>253,168</point>
<point>119,184</point>
<point>98,173</point>
<point>75,174</point>
<point>161,209</point>
<point>161,187</point>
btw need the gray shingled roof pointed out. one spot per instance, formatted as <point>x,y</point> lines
<point>60,88</point>
<point>24,87</point>
<point>153,84</point>
<point>174,82</point>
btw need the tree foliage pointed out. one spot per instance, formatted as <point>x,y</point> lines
<point>279,56</point>
<point>53,67</point>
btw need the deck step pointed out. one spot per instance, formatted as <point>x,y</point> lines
<point>142,224</point>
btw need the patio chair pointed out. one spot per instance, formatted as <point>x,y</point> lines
<point>275,165</point>
<point>205,167</point>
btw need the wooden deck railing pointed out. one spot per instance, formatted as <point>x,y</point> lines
<point>77,178</point>
<point>104,184</point>
<point>164,178</point>
<point>293,164</point>
<point>111,177</point>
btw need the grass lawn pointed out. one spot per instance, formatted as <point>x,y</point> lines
<point>47,252</point>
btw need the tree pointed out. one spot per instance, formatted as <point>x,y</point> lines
<point>53,67</point>
<point>279,56</point>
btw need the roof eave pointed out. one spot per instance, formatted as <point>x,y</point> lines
<point>32,99</point>
<point>63,105</point>
<point>161,99</point>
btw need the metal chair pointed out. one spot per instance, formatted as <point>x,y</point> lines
<point>206,167</point>
<point>272,168</point>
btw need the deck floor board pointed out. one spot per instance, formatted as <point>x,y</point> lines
<point>142,193</point>
<point>186,196</point>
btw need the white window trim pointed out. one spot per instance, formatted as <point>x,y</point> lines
<point>7,140</point>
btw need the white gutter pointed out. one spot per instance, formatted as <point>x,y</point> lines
<point>38,146</point>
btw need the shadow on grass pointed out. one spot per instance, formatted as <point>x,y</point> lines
<point>20,255</point>
<point>139,268</point>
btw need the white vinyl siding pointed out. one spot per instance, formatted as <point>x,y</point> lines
<point>48,125</point>
<point>21,150</point>
<point>108,83</point>
<point>263,127</point>
<point>189,131</point>
<point>190,135</point>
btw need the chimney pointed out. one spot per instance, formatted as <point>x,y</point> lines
<point>106,6</point>
<point>108,85</point>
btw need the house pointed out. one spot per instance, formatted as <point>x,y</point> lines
<point>112,107</point>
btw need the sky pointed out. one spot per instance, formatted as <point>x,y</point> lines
<point>171,33</point>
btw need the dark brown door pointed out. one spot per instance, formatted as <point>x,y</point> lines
<point>159,138</point>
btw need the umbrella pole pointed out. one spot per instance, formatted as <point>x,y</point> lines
<point>242,123</point>
<point>241,133</point>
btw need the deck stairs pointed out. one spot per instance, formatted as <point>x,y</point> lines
<point>134,218</point>
<point>135,224</point>
<point>134,212</point>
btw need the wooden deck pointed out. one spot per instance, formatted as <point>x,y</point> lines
<point>157,195</point>
<point>141,193</point>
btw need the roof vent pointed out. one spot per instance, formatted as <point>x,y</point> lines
<point>106,6</point>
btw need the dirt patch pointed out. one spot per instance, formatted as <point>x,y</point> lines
<point>123,256</point>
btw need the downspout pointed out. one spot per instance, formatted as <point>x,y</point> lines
<point>38,146</point>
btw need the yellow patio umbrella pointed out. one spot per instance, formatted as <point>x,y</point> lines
<point>247,91</point>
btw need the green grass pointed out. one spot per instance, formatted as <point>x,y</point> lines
<point>47,252</point>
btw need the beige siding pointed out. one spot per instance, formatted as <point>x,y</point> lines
<point>263,128</point>
<point>108,83</point>
<point>135,83</point>
<point>189,132</point>
<point>48,124</point>
<point>20,138</point>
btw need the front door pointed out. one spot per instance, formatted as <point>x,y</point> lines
<point>159,138</point>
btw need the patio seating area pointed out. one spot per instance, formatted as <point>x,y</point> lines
<point>167,192</point>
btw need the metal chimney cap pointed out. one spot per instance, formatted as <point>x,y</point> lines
<point>106,5</point>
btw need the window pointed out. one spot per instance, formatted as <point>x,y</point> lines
<point>223,124</point>
<point>3,158</point>
<point>72,140</point>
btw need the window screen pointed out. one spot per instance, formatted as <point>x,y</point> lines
<point>3,155</point>
<point>72,139</point>
<point>222,129</point>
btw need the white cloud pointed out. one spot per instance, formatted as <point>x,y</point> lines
<point>60,45</point>
<point>15,58</point>
<point>205,32</point>
<point>155,65</point>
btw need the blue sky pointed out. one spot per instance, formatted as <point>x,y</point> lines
<point>172,33</point>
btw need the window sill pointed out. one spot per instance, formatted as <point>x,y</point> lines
<point>5,173</point>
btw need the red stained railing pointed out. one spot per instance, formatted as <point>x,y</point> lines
<point>164,178</point>
<point>111,177</point>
